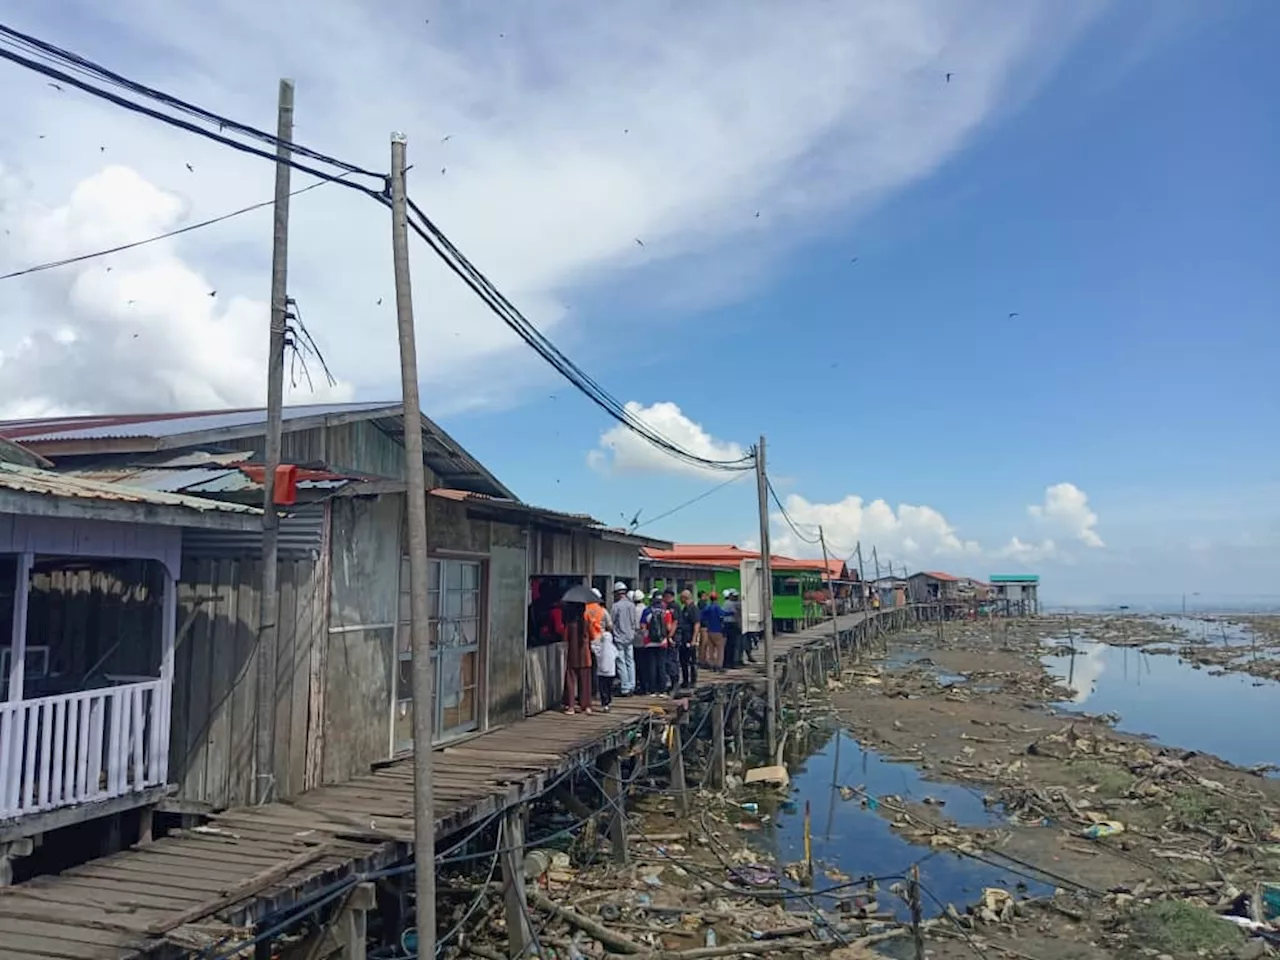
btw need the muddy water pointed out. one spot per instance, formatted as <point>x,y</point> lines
<point>1231,715</point>
<point>850,838</point>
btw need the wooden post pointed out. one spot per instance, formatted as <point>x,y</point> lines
<point>611,766</point>
<point>678,784</point>
<point>269,600</point>
<point>511,838</point>
<point>739,730</point>
<point>424,837</point>
<point>146,825</point>
<point>831,588</point>
<point>766,601</point>
<point>718,766</point>
<point>913,897</point>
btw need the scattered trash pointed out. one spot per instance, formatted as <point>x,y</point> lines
<point>710,939</point>
<point>750,807</point>
<point>775,775</point>
<point>1107,828</point>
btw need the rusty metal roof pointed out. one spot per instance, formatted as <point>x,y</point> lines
<point>167,424</point>
<point>46,482</point>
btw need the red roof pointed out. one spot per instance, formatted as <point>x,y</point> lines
<point>939,575</point>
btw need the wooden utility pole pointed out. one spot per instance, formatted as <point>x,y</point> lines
<point>424,819</point>
<point>766,600</point>
<point>831,589</point>
<point>862,577</point>
<point>269,600</point>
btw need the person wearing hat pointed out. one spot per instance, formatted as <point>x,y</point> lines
<point>626,620</point>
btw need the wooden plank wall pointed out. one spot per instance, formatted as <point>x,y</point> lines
<point>544,677</point>
<point>215,677</point>
<point>507,622</point>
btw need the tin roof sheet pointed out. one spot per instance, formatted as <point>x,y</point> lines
<point>48,483</point>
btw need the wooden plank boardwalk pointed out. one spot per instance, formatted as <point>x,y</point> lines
<point>247,862</point>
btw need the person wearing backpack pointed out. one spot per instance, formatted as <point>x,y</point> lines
<point>655,630</point>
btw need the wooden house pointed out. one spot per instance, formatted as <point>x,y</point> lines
<point>343,661</point>
<point>88,631</point>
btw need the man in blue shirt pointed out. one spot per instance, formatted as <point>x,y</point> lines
<point>713,630</point>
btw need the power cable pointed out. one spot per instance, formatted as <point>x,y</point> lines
<point>80,258</point>
<point>688,503</point>
<point>81,64</point>
<point>484,288</point>
<point>786,516</point>
<point>175,121</point>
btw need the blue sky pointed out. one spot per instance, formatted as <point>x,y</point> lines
<point>1107,173</point>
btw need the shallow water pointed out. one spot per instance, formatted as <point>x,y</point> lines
<point>1231,715</point>
<point>859,841</point>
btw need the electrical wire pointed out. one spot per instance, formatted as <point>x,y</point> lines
<point>83,65</point>
<point>188,126</point>
<point>475,904</point>
<point>688,503</point>
<point>497,302</point>
<point>80,258</point>
<point>786,516</point>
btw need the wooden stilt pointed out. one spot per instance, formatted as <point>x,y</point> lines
<point>739,730</point>
<point>718,767</point>
<point>611,766</point>
<point>519,931</point>
<point>678,784</point>
<point>353,925</point>
<point>146,826</point>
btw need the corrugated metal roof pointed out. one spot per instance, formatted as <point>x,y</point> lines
<point>166,424</point>
<point>48,483</point>
<point>209,480</point>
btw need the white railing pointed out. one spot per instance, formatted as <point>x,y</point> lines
<point>81,747</point>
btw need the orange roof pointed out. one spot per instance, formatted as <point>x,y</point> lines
<point>939,575</point>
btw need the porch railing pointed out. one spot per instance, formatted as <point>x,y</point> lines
<point>82,747</point>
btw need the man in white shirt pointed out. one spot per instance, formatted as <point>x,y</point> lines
<point>626,620</point>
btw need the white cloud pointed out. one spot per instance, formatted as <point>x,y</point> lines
<point>1066,511</point>
<point>912,534</point>
<point>575,128</point>
<point>622,451</point>
<point>1021,552</point>
<point>140,329</point>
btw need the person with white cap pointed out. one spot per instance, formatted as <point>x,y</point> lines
<point>626,620</point>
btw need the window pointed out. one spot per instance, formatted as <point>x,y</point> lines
<point>454,589</point>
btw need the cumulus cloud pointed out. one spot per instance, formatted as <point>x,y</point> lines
<point>1066,511</point>
<point>1021,552</point>
<point>912,534</point>
<point>573,128</point>
<point>622,451</point>
<point>140,330</point>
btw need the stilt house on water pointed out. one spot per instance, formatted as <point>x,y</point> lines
<point>343,661</point>
<point>88,630</point>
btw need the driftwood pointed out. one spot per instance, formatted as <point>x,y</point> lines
<point>615,942</point>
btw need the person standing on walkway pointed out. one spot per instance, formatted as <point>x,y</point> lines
<point>625,622</point>
<point>655,631</point>
<point>606,656</point>
<point>713,633</point>
<point>690,633</point>
<point>732,629</point>
<point>577,659</point>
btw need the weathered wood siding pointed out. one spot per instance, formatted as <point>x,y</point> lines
<point>508,620</point>
<point>543,677</point>
<point>360,649</point>
<point>614,560</point>
<point>215,676</point>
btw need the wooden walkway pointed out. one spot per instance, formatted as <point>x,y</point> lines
<point>247,862</point>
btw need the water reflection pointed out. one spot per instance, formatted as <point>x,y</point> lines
<point>859,841</point>
<point>1230,715</point>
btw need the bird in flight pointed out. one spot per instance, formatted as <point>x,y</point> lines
<point>757,214</point>
<point>442,169</point>
<point>213,293</point>
<point>191,168</point>
<point>40,137</point>
<point>55,86</point>
<point>102,149</point>
<point>379,303</point>
<point>446,138</point>
<point>949,78</point>
<point>1012,315</point>
<point>853,259</point>
<point>639,242</point>
<point>130,303</point>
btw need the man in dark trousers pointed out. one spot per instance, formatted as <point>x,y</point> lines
<point>690,623</point>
